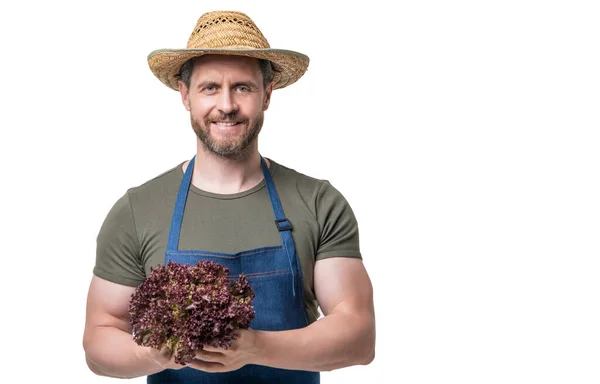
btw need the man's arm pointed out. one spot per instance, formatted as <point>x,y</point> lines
<point>345,336</point>
<point>109,346</point>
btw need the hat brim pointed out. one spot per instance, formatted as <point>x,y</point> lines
<point>288,66</point>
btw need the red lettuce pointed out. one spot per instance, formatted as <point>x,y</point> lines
<point>183,307</point>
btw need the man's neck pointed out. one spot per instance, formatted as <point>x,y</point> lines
<point>221,175</point>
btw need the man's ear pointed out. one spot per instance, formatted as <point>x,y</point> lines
<point>268,97</point>
<point>185,94</point>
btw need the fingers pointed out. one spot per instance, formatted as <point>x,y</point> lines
<point>206,366</point>
<point>214,349</point>
<point>212,359</point>
<point>205,355</point>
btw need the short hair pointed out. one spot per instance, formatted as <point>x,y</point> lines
<point>185,73</point>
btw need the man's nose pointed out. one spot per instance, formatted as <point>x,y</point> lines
<point>226,102</point>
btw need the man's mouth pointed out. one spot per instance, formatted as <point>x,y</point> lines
<point>225,123</point>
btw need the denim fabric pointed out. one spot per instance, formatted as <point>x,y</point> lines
<point>276,278</point>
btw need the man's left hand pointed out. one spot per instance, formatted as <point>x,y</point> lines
<point>243,351</point>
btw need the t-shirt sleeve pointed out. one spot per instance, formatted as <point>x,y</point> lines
<point>118,248</point>
<point>337,224</point>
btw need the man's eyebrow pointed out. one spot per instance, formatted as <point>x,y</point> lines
<point>248,83</point>
<point>207,83</point>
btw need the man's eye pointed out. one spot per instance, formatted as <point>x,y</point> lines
<point>243,88</point>
<point>210,88</point>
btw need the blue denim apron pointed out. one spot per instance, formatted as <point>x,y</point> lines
<point>276,278</point>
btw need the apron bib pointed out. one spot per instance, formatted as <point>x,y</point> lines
<point>276,279</point>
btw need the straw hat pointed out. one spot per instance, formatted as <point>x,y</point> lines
<point>227,33</point>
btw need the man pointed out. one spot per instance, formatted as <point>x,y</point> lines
<point>228,204</point>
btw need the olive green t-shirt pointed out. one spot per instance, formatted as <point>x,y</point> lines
<point>133,237</point>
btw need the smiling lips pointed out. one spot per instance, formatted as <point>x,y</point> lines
<point>225,123</point>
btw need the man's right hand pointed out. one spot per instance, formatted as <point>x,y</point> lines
<point>164,358</point>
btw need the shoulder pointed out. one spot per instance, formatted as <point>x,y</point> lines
<point>287,176</point>
<point>317,194</point>
<point>158,187</point>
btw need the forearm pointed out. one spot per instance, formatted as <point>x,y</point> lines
<point>112,352</point>
<point>335,341</point>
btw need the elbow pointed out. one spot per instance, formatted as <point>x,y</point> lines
<point>368,352</point>
<point>93,367</point>
<point>88,359</point>
<point>362,356</point>
<point>368,357</point>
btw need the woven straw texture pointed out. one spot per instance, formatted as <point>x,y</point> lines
<point>227,33</point>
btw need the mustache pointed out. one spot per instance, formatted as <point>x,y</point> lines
<point>233,116</point>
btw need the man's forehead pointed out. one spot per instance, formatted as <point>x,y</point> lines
<point>218,67</point>
<point>227,61</point>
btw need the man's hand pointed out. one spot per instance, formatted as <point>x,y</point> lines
<point>164,358</point>
<point>243,351</point>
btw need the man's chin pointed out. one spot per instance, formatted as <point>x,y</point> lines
<point>231,151</point>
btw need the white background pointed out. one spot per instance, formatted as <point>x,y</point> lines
<point>463,133</point>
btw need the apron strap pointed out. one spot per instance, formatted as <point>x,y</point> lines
<point>173,243</point>
<point>283,224</point>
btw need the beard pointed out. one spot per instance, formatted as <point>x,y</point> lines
<point>233,146</point>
